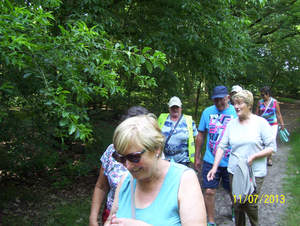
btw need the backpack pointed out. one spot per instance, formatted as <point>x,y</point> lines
<point>243,182</point>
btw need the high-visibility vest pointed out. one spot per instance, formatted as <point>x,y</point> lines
<point>189,121</point>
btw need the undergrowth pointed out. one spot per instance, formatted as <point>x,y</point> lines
<point>291,183</point>
<point>286,100</point>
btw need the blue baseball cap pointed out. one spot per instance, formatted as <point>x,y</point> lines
<point>219,92</point>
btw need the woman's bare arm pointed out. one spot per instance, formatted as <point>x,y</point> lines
<point>190,200</point>
<point>100,191</point>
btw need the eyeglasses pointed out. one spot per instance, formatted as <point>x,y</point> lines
<point>262,94</point>
<point>220,99</point>
<point>132,157</point>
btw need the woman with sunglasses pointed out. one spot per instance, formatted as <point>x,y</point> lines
<point>153,191</point>
<point>110,174</point>
<point>269,109</point>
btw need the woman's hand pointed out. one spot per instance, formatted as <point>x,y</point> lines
<point>218,158</point>
<point>250,160</point>
<point>211,174</point>
<point>109,221</point>
<point>197,164</point>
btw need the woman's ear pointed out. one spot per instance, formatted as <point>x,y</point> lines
<point>158,151</point>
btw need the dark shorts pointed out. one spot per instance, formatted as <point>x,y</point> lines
<point>221,173</point>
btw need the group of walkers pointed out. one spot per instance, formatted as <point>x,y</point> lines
<point>145,173</point>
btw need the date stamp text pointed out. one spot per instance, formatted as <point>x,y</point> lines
<point>260,199</point>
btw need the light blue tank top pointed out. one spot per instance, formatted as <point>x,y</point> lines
<point>164,209</point>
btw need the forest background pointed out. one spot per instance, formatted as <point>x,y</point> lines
<point>70,68</point>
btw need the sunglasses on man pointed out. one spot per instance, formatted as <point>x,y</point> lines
<point>132,157</point>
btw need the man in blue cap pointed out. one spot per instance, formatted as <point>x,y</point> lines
<point>213,121</point>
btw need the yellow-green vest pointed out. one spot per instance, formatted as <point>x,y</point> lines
<point>189,121</point>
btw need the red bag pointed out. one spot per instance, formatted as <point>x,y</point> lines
<point>105,214</point>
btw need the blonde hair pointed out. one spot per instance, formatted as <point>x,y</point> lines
<point>140,131</point>
<point>244,95</point>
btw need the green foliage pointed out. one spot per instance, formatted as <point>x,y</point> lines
<point>291,185</point>
<point>74,213</point>
<point>287,100</point>
<point>5,88</point>
<point>68,69</point>
<point>63,211</point>
<point>53,79</point>
<point>274,47</point>
<point>26,195</point>
<point>62,183</point>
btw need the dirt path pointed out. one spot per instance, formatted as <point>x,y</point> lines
<point>269,213</point>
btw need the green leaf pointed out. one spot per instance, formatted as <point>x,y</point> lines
<point>105,54</point>
<point>49,102</point>
<point>74,118</point>
<point>77,133</point>
<point>10,5</point>
<point>157,54</point>
<point>146,49</point>
<point>138,60</point>
<point>133,61</point>
<point>149,66</point>
<point>7,61</point>
<point>137,70</point>
<point>128,53</point>
<point>64,122</point>
<point>142,59</point>
<point>65,91</point>
<point>72,128</point>
<point>161,66</point>
<point>82,136</point>
<point>121,56</point>
<point>26,75</point>
<point>65,114</point>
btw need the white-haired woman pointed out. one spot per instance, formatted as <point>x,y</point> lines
<point>251,138</point>
<point>165,193</point>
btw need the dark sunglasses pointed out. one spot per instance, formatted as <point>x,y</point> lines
<point>133,157</point>
<point>262,94</point>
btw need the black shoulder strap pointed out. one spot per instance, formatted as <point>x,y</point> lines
<point>173,130</point>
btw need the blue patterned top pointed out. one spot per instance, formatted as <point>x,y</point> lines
<point>177,146</point>
<point>113,170</point>
<point>214,123</point>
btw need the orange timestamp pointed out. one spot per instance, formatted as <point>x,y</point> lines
<point>260,199</point>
